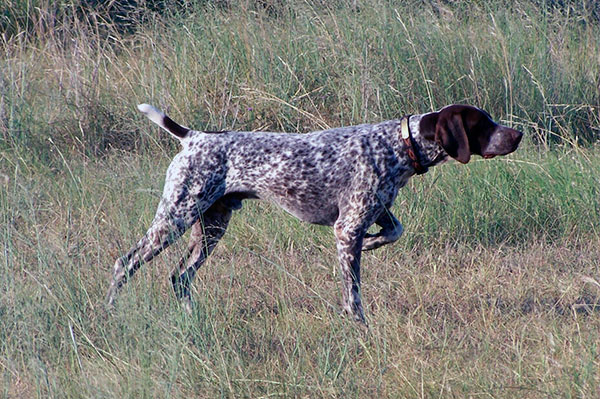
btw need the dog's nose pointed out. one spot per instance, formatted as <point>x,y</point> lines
<point>512,135</point>
<point>517,135</point>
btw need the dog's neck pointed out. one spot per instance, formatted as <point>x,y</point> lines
<point>428,151</point>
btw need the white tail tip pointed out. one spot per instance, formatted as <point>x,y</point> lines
<point>163,121</point>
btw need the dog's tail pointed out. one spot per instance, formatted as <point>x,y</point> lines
<point>162,120</point>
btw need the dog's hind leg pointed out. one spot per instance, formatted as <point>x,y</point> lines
<point>205,235</point>
<point>172,219</point>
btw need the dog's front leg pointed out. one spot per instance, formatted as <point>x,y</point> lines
<point>391,230</point>
<point>349,244</point>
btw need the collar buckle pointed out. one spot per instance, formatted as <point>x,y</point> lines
<point>411,149</point>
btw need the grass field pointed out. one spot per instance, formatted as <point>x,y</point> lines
<point>492,292</point>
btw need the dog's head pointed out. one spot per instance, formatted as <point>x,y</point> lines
<point>463,130</point>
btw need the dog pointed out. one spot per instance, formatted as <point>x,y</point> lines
<point>344,177</point>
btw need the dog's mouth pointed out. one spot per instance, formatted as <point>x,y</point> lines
<point>489,156</point>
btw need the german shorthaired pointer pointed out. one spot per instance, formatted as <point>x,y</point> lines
<point>346,177</point>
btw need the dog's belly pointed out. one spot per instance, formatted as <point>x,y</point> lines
<point>308,205</point>
<point>323,214</point>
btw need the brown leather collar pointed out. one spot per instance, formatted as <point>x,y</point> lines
<point>411,149</point>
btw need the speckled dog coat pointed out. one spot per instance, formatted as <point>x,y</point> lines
<point>346,177</point>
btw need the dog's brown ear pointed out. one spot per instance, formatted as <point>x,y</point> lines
<point>451,135</point>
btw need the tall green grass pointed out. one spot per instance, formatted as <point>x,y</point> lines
<point>554,195</point>
<point>493,290</point>
<point>296,66</point>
